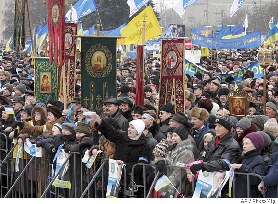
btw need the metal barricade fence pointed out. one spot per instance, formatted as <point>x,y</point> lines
<point>34,178</point>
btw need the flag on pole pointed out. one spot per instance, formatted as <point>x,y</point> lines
<point>136,5</point>
<point>82,8</point>
<point>272,36</point>
<point>271,23</point>
<point>72,15</point>
<point>245,22</point>
<point>134,29</point>
<point>162,182</point>
<point>10,44</point>
<point>181,5</point>
<point>235,6</point>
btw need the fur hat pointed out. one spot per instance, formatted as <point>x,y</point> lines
<point>200,113</point>
<point>147,88</point>
<point>83,128</point>
<point>244,123</point>
<point>55,111</point>
<point>169,107</point>
<point>223,91</point>
<point>271,126</point>
<point>189,96</point>
<point>225,121</point>
<point>206,103</point>
<point>56,103</point>
<point>257,139</point>
<point>70,127</point>
<point>181,118</point>
<point>182,132</point>
<point>139,125</point>
<point>161,147</point>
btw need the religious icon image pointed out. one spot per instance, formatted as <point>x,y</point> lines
<point>98,61</point>
<point>45,82</point>
<point>171,59</point>
<point>68,41</point>
<point>238,106</point>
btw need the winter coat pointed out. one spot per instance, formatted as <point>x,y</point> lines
<point>271,179</point>
<point>182,152</point>
<point>162,132</point>
<point>151,141</point>
<point>123,122</point>
<point>199,134</point>
<point>252,162</point>
<point>228,149</point>
<point>130,151</point>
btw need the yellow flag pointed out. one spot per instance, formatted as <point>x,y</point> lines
<point>205,51</point>
<point>133,32</point>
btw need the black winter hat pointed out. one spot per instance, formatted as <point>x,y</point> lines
<point>225,121</point>
<point>181,118</point>
<point>223,91</point>
<point>182,132</point>
<point>169,107</point>
<point>55,111</point>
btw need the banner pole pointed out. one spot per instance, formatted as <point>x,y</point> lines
<point>64,86</point>
<point>33,53</point>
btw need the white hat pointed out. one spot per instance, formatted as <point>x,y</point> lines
<point>139,125</point>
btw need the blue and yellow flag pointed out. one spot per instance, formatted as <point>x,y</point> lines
<point>133,31</point>
<point>231,32</point>
<point>272,36</point>
<point>10,44</point>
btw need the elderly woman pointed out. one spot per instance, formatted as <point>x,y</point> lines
<point>131,146</point>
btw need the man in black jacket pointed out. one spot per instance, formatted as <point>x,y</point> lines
<point>223,151</point>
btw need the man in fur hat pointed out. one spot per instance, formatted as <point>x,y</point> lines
<point>223,94</point>
<point>199,118</point>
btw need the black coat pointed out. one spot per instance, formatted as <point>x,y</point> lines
<point>228,149</point>
<point>252,162</point>
<point>130,151</point>
<point>271,179</point>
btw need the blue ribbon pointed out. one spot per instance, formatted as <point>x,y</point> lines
<point>58,152</point>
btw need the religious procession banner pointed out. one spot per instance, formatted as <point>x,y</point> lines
<point>98,73</point>
<point>67,73</point>
<point>19,25</point>
<point>191,68</point>
<point>172,74</point>
<point>46,76</point>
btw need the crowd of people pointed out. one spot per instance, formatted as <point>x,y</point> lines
<point>155,134</point>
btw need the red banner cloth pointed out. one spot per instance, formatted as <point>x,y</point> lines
<point>56,31</point>
<point>139,99</point>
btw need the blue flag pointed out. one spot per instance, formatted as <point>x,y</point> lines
<point>136,5</point>
<point>83,8</point>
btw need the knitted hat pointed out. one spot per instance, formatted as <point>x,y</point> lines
<point>55,111</point>
<point>244,123</point>
<point>200,113</point>
<point>225,121</point>
<point>257,139</point>
<point>28,109</point>
<point>139,125</point>
<point>83,128</point>
<point>266,137</point>
<point>9,87</point>
<point>234,120</point>
<point>189,96</point>
<point>70,127</point>
<point>272,105</point>
<point>59,126</point>
<point>21,88</point>
<point>271,126</point>
<point>223,91</point>
<point>182,132</point>
<point>161,147</point>
<point>258,120</point>
<point>169,107</point>
<point>41,104</point>
<point>216,82</point>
